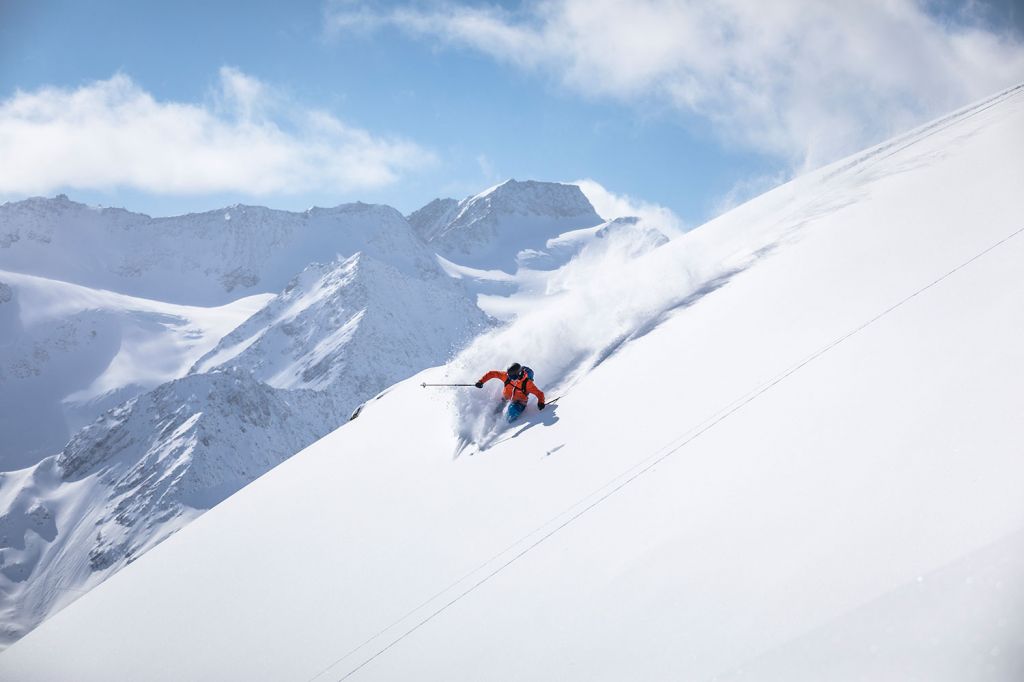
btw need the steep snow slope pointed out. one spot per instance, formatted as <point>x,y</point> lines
<point>504,226</point>
<point>200,258</point>
<point>138,474</point>
<point>917,630</point>
<point>68,353</point>
<point>772,425</point>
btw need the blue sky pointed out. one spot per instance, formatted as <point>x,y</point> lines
<point>174,107</point>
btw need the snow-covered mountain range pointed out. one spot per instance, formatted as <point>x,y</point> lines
<point>350,328</point>
<point>169,400</point>
<point>786,447</point>
<point>205,259</point>
<point>68,353</point>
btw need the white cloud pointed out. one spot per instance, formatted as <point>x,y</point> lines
<point>112,133</point>
<point>804,80</point>
<point>610,206</point>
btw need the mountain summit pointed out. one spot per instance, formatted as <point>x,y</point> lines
<point>495,228</point>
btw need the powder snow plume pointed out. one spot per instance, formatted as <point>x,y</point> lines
<point>600,299</point>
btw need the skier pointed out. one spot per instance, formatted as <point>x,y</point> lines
<point>518,385</point>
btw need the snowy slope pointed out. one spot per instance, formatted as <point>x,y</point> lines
<point>773,428</point>
<point>138,474</point>
<point>68,353</point>
<point>504,226</point>
<point>207,258</point>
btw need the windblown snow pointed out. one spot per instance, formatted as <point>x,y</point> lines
<point>786,446</point>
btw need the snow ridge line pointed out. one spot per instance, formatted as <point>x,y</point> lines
<point>645,466</point>
<point>909,139</point>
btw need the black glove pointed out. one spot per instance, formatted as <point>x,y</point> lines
<point>540,405</point>
<point>479,384</point>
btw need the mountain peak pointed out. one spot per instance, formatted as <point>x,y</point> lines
<point>533,197</point>
<point>489,229</point>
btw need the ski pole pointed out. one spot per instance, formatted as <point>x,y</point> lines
<point>424,385</point>
<point>551,402</point>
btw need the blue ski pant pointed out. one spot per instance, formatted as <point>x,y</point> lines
<point>515,408</point>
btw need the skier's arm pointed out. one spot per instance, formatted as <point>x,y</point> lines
<point>532,388</point>
<point>493,374</point>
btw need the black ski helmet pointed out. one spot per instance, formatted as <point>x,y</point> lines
<point>514,369</point>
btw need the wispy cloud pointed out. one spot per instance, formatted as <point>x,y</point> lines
<point>803,80</point>
<point>610,206</point>
<point>248,138</point>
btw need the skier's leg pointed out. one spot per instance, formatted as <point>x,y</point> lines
<point>514,410</point>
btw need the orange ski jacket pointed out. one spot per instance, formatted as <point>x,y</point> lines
<point>517,390</point>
